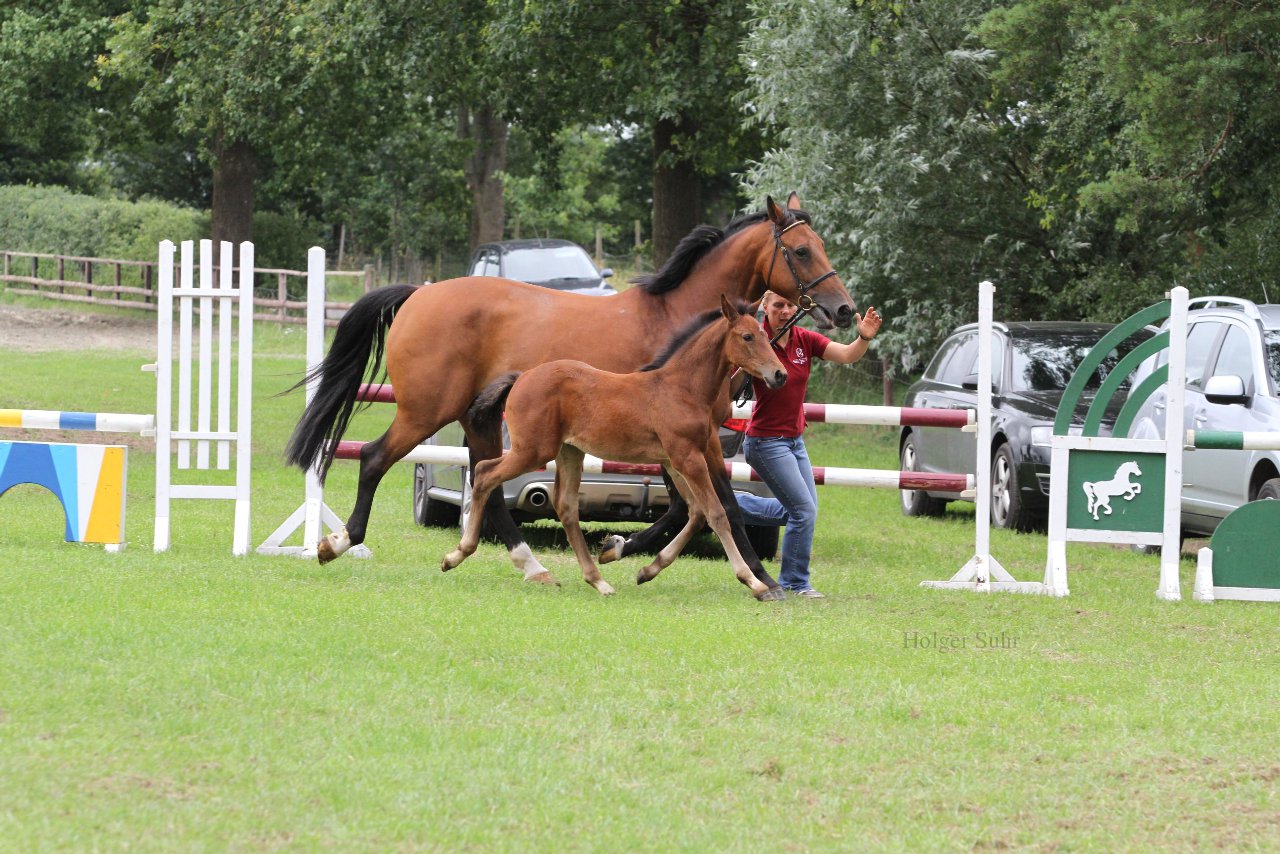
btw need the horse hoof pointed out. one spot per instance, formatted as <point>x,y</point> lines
<point>325,552</point>
<point>542,578</point>
<point>773,594</point>
<point>604,588</point>
<point>649,573</point>
<point>612,549</point>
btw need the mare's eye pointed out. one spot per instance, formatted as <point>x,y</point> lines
<point>748,337</point>
<point>802,252</point>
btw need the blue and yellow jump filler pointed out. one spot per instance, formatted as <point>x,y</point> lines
<point>88,480</point>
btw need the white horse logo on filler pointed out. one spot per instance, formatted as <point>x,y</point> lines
<point>1101,492</point>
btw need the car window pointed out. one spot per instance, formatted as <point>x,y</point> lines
<point>486,263</point>
<point>1199,345</point>
<point>960,362</point>
<point>944,354</point>
<point>997,360</point>
<point>1235,357</point>
<point>549,263</point>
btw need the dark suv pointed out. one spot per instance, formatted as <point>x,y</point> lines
<point>1030,365</point>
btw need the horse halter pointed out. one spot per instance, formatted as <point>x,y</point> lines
<point>803,300</point>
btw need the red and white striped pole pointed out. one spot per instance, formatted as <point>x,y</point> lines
<point>738,472</point>
<point>814,413</point>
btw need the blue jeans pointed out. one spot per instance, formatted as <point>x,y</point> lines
<point>783,464</point>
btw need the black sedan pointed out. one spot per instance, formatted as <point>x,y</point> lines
<point>1031,365</point>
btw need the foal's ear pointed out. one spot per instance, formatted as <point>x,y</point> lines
<point>793,201</point>
<point>726,308</point>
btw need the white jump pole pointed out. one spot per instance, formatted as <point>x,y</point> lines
<point>313,514</point>
<point>983,571</point>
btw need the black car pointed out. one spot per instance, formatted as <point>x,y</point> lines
<point>1031,365</point>
<point>558,264</point>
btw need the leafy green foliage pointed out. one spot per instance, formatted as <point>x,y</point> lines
<point>573,201</point>
<point>1084,156</point>
<point>917,184</point>
<point>55,220</point>
<point>46,106</point>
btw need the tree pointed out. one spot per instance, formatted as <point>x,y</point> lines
<point>1155,126</point>
<point>1085,156</point>
<point>670,67</point>
<point>888,135</point>
<point>47,51</point>
<point>268,79</point>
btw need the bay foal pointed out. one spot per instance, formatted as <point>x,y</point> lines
<point>564,409</point>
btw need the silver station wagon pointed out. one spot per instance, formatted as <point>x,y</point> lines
<point>1233,378</point>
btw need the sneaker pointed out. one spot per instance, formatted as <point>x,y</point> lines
<point>808,593</point>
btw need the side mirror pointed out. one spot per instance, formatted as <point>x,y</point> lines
<point>1225,389</point>
<point>606,272</point>
<point>970,382</point>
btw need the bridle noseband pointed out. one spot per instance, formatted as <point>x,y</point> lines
<point>803,300</point>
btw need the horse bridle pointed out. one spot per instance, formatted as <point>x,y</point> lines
<point>803,300</point>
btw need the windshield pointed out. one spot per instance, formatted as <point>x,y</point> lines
<point>546,264</point>
<point>1046,362</point>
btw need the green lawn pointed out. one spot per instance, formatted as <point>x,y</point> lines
<point>196,701</point>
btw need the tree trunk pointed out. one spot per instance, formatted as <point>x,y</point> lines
<point>488,134</point>
<point>677,191</point>
<point>235,173</point>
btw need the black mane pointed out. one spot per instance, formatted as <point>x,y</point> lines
<point>690,331</point>
<point>698,243</point>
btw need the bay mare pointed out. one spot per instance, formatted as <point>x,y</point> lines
<point>445,342</point>
<point>564,409</point>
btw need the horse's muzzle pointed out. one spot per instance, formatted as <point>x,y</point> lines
<point>841,317</point>
<point>844,316</point>
<point>775,379</point>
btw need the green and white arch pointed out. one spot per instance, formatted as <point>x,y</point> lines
<point>1087,467</point>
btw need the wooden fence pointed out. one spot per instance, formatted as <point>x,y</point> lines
<point>279,295</point>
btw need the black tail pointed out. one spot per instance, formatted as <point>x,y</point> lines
<point>358,344</point>
<point>485,412</point>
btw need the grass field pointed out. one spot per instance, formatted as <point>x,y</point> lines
<point>194,701</point>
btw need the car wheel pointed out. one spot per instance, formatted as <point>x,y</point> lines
<point>1007,507</point>
<point>1270,491</point>
<point>916,502</point>
<point>427,511</point>
<point>764,539</point>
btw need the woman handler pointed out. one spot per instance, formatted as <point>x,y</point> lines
<point>775,437</point>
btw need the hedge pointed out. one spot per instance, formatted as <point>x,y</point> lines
<point>55,220</point>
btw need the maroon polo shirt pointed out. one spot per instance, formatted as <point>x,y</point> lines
<point>780,412</point>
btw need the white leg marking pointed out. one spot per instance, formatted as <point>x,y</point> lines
<point>524,561</point>
<point>339,541</point>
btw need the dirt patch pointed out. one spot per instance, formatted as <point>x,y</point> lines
<point>36,330</point>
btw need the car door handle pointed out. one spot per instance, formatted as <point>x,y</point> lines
<point>1201,418</point>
